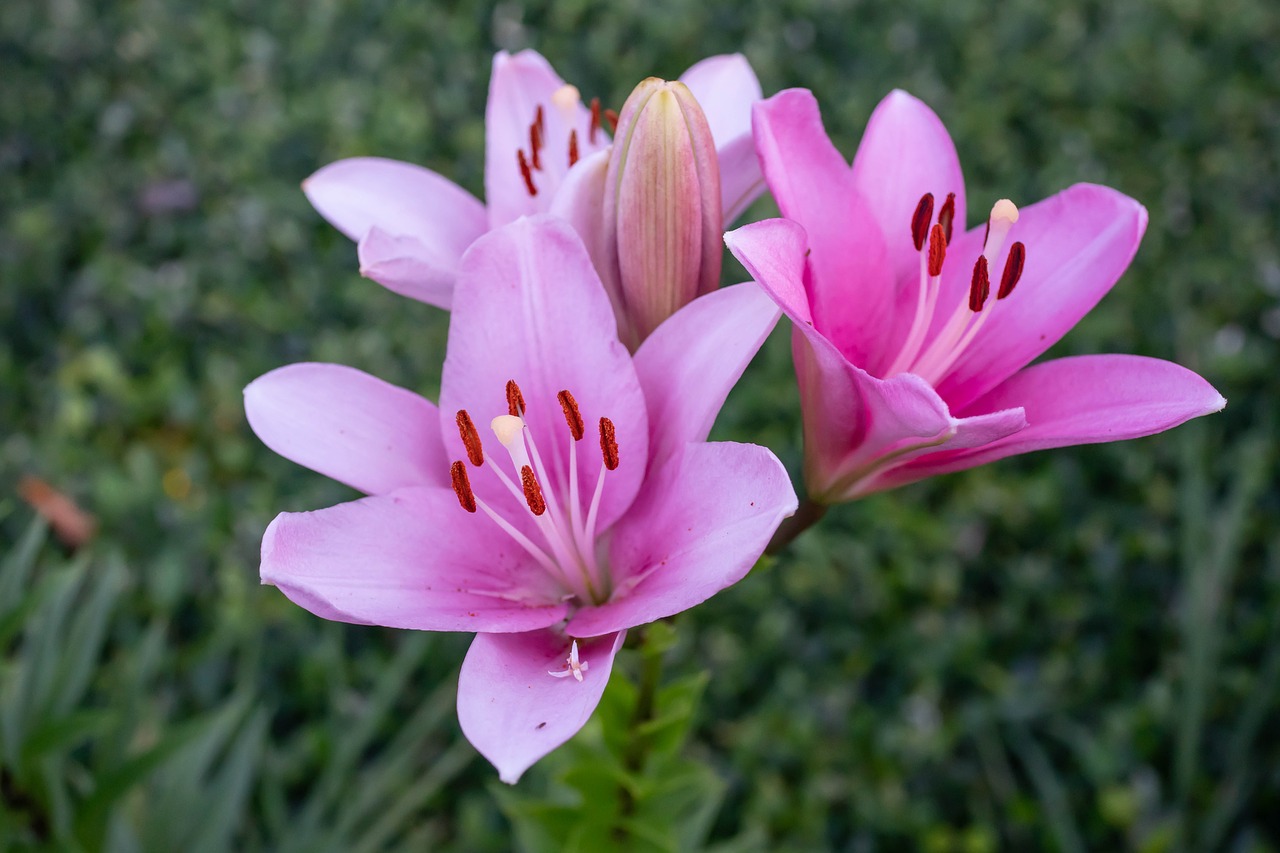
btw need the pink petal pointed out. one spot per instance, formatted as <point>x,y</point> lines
<point>689,364</point>
<point>528,306</point>
<point>1078,243</point>
<point>580,202</point>
<point>402,200</point>
<point>851,288</point>
<point>348,425</point>
<point>970,432</point>
<point>512,710</point>
<point>741,181</point>
<point>407,266</point>
<point>774,252</point>
<point>905,153</point>
<point>725,87</point>
<point>853,422</point>
<point>519,85</point>
<point>410,559</point>
<point>1084,399</point>
<point>701,523</point>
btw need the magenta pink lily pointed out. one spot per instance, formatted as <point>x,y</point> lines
<point>912,339</point>
<point>562,492</point>
<point>412,225</point>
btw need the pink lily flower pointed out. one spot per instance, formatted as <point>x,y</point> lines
<point>412,225</point>
<point>910,339</point>
<point>562,492</point>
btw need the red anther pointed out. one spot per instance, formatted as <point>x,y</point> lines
<point>920,220</point>
<point>515,400</point>
<point>539,121</point>
<point>535,146</point>
<point>1012,269</point>
<point>470,438</point>
<point>462,486</point>
<point>526,173</point>
<point>595,120</point>
<point>937,250</point>
<point>980,285</point>
<point>532,491</point>
<point>608,444</point>
<point>611,116</point>
<point>572,416</point>
<point>947,215</point>
<point>573,147</point>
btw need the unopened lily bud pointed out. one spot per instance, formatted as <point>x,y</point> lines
<point>662,206</point>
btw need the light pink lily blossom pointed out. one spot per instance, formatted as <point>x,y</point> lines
<point>562,492</point>
<point>911,340</point>
<point>412,225</point>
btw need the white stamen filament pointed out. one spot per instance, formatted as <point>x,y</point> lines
<point>572,543</point>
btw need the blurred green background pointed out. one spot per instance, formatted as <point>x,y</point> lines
<point>1076,650</point>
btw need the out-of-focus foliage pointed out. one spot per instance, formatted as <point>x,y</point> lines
<point>1076,650</point>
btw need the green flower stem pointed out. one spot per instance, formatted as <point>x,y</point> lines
<point>808,514</point>
<point>637,741</point>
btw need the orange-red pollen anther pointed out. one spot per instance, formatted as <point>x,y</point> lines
<point>572,416</point>
<point>611,116</point>
<point>1012,269</point>
<point>608,444</point>
<point>595,120</point>
<point>947,215</point>
<point>573,147</point>
<point>535,146</point>
<point>920,220</point>
<point>515,400</point>
<point>470,438</point>
<point>937,250</point>
<point>980,285</point>
<point>539,120</point>
<point>462,486</point>
<point>526,173</point>
<point>532,491</point>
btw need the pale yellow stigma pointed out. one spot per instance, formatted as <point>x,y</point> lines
<point>1004,214</point>
<point>508,429</point>
<point>1004,209</point>
<point>566,99</point>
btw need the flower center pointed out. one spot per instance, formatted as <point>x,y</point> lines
<point>565,523</point>
<point>565,101</point>
<point>934,361</point>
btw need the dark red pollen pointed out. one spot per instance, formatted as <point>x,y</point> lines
<point>611,116</point>
<point>608,444</point>
<point>937,250</point>
<point>980,286</point>
<point>462,486</point>
<point>947,215</point>
<point>470,438</point>
<point>539,120</point>
<point>535,146</point>
<point>532,491</point>
<point>515,400</point>
<point>920,220</point>
<point>526,172</point>
<point>595,120</point>
<point>1012,269</point>
<point>572,416</point>
<point>573,147</point>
